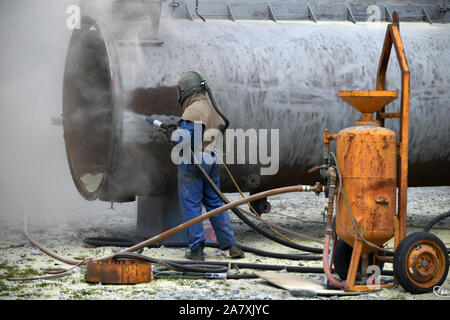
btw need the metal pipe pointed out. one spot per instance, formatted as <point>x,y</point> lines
<point>393,39</point>
<point>332,178</point>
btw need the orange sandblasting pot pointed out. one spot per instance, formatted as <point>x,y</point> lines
<point>367,160</point>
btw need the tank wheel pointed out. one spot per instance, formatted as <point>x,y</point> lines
<point>342,257</point>
<point>420,262</point>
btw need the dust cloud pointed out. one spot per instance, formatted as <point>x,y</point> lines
<point>34,39</point>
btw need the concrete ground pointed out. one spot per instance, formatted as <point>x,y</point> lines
<point>64,233</point>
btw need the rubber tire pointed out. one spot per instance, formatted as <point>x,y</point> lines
<point>342,257</point>
<point>400,257</point>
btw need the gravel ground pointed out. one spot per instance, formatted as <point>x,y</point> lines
<point>64,233</point>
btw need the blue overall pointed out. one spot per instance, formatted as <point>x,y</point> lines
<point>193,191</point>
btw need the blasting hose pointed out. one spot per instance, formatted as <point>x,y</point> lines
<point>211,269</point>
<point>439,218</point>
<point>241,214</point>
<point>117,242</point>
<point>166,234</point>
<point>204,84</point>
<point>153,240</point>
<point>244,265</point>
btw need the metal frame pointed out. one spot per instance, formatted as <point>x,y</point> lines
<point>282,10</point>
<point>230,13</point>
<point>311,14</point>
<point>393,38</point>
<point>188,13</point>
<point>388,16</point>
<point>350,16</point>
<point>271,13</point>
<point>426,17</point>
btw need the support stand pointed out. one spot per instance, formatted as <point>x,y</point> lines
<point>156,214</point>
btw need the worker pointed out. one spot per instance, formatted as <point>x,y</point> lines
<point>200,114</point>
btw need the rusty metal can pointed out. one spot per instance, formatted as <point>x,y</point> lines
<point>118,271</point>
<point>367,160</point>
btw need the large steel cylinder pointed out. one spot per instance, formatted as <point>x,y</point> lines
<point>367,157</point>
<point>264,74</point>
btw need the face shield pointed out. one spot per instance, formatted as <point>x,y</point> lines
<point>182,95</point>
<point>179,94</point>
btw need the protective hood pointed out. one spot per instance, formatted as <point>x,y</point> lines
<point>198,108</point>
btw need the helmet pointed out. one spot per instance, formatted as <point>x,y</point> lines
<point>190,82</point>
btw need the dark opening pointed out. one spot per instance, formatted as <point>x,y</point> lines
<point>88,111</point>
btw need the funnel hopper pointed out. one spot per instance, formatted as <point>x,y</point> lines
<point>368,101</point>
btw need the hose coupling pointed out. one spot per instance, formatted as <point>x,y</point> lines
<point>327,137</point>
<point>332,178</point>
<point>318,188</point>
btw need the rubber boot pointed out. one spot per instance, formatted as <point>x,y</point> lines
<point>197,255</point>
<point>236,252</point>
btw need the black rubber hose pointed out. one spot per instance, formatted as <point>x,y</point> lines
<point>109,242</point>
<point>242,276</point>
<point>190,266</point>
<point>271,236</point>
<point>243,265</point>
<point>118,242</point>
<point>440,217</point>
<point>256,266</point>
<point>214,104</point>
<point>248,222</point>
<point>431,224</point>
<point>285,256</point>
<point>238,212</point>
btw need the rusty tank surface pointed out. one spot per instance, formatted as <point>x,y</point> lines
<point>367,160</point>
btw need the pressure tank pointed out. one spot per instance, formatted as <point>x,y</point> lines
<point>367,158</point>
<point>266,72</point>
